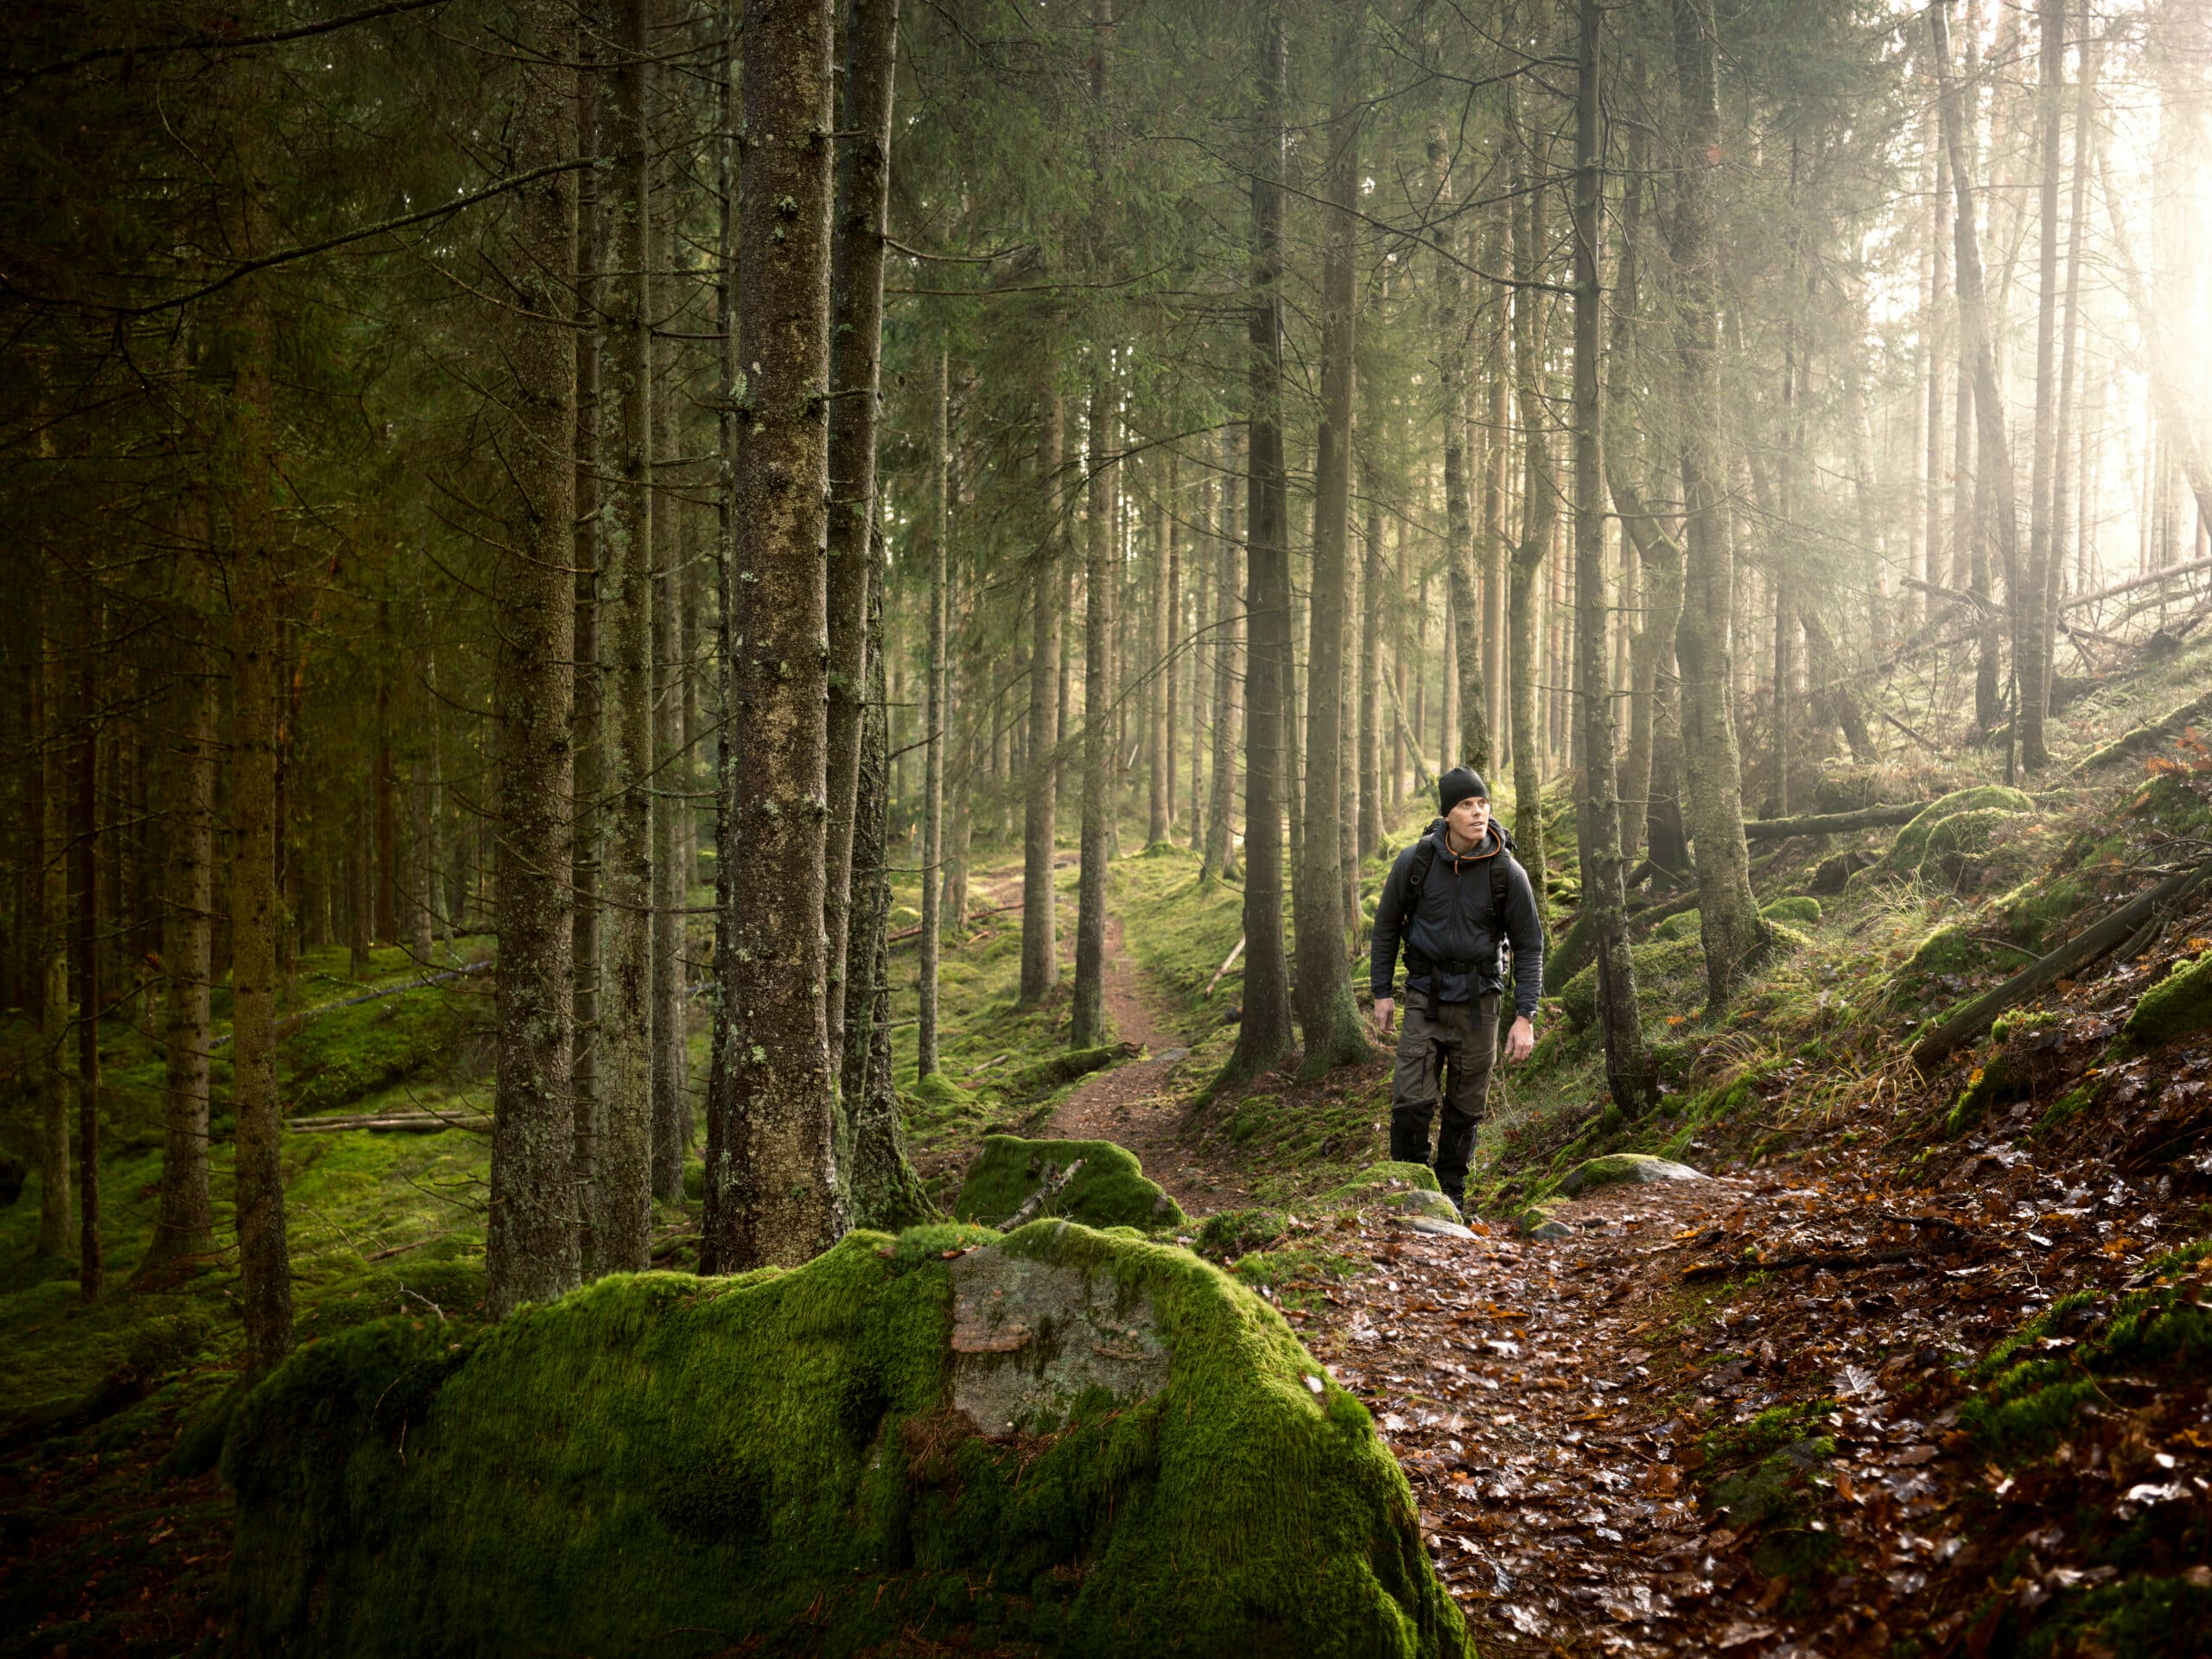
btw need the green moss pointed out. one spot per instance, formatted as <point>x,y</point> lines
<point>2061,1112</point>
<point>668,1465</point>
<point>1109,1190</point>
<point>1799,910</point>
<point>2177,1005</point>
<point>1049,1074</point>
<point>1768,1433</point>
<point>2030,1399</point>
<point>1910,849</point>
<point>1669,977</point>
<point>1385,1178</point>
<point>1682,925</point>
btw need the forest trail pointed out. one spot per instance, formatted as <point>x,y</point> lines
<point>1133,1105</point>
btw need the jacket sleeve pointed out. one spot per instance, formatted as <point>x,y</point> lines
<point>1382,953</point>
<point>1526,928</point>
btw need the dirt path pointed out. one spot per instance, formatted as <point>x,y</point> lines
<point>1555,1402</point>
<point>1130,1104</point>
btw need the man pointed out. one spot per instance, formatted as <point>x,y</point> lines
<point>1457,900</point>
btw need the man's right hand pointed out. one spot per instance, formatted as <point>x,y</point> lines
<point>1385,1007</point>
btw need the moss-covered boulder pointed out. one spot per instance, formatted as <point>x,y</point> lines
<point>2177,1005</point>
<point>1682,925</point>
<point>1110,1191</point>
<point>1403,1189</point>
<point>1798,909</point>
<point>1047,1074</point>
<point>820,1461</point>
<point>1910,849</point>
<point>1617,1167</point>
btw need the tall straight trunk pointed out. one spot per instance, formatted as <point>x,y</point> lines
<point>1171,653</point>
<point>1993,447</point>
<point>884,1191</point>
<point>1493,551</point>
<point>1228,682</point>
<point>2063,500</point>
<point>586,743</point>
<point>85,850</point>
<point>671,1138</point>
<point>622,1221</point>
<point>1325,1012</point>
<point>1539,505</point>
<point>57,1077</point>
<point>1087,1025</point>
<point>730,620</point>
<point>1088,1022</point>
<point>184,1225</point>
<point>1933,325</point>
<point>933,724</point>
<point>1040,958</point>
<point>358,884</point>
<point>1728,913</point>
<point>856,350</point>
<point>2030,605</point>
<point>1627,1066</point>
<point>1371,745</point>
<point>772,1196</point>
<point>253,584</point>
<point>1263,1033</point>
<point>531,1246</point>
<point>1159,766</point>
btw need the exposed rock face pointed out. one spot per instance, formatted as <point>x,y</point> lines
<point>1030,1339</point>
<point>1625,1166</point>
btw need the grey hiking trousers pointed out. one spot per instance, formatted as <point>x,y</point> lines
<point>1451,1058</point>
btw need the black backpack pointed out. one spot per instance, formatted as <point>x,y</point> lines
<point>1417,873</point>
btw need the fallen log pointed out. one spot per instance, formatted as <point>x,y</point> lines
<point>915,931</point>
<point>2144,739</point>
<point>1970,1022</point>
<point>1697,1270</point>
<point>1228,962</point>
<point>404,1122</point>
<point>1050,1187</point>
<point>2170,573</point>
<point>1833,823</point>
<point>292,1022</point>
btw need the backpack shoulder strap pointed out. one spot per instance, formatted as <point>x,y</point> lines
<point>1416,873</point>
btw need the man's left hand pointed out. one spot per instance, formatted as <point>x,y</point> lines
<point>1519,1041</point>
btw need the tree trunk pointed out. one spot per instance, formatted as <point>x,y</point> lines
<point>85,951</point>
<point>2031,607</point>
<point>934,717</point>
<point>856,299</point>
<point>57,1077</point>
<point>670,1138</point>
<point>1040,958</point>
<point>2062,496</point>
<point>1228,681</point>
<point>1263,1034</point>
<point>622,1223</point>
<point>773,1193</point>
<point>184,1225</point>
<point>1325,1012</point>
<point>1470,744</point>
<point>586,742</point>
<point>1172,655</point>
<point>1539,509</point>
<point>253,583</point>
<point>1158,767</point>
<point>1728,913</point>
<point>883,1190</point>
<point>1371,743</point>
<point>531,1245</point>
<point>1993,450</point>
<point>1627,1066</point>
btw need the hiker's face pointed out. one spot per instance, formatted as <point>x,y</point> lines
<point>1469,819</point>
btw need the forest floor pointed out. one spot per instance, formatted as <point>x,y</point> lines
<point>1918,1367</point>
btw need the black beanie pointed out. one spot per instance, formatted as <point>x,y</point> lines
<point>1457,784</point>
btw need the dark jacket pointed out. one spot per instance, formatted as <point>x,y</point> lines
<point>1453,942</point>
